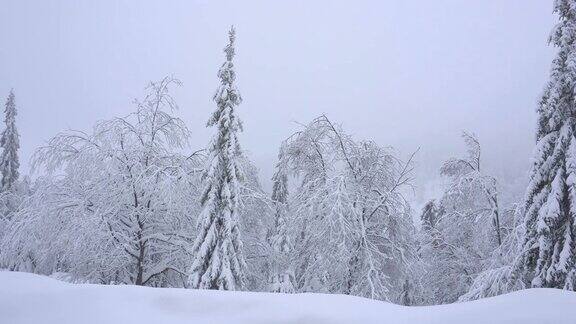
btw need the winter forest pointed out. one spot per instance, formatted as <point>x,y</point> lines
<point>128,201</point>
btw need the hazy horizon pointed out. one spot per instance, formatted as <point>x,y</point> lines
<point>409,75</point>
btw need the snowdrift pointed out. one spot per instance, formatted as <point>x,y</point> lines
<point>32,299</point>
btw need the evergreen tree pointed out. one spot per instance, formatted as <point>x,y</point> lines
<point>10,143</point>
<point>218,259</point>
<point>405,298</point>
<point>430,215</point>
<point>282,277</point>
<point>549,252</point>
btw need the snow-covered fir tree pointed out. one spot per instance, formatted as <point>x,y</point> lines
<point>549,245</point>
<point>430,216</point>
<point>282,277</point>
<point>10,143</point>
<point>218,259</point>
<point>10,195</point>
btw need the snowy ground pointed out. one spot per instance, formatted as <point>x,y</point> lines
<point>32,299</point>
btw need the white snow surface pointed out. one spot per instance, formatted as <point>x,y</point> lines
<point>32,299</point>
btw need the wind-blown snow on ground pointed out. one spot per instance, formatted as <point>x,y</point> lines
<point>32,299</point>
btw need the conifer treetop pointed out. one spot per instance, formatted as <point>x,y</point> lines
<point>10,143</point>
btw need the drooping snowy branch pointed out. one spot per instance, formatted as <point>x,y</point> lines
<point>116,202</point>
<point>352,224</point>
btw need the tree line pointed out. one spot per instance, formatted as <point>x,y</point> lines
<point>129,203</point>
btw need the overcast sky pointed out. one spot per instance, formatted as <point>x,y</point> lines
<point>408,74</point>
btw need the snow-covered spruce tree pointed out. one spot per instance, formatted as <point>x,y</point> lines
<point>431,214</point>
<point>549,248</point>
<point>10,143</point>
<point>10,193</point>
<point>218,259</point>
<point>282,277</point>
